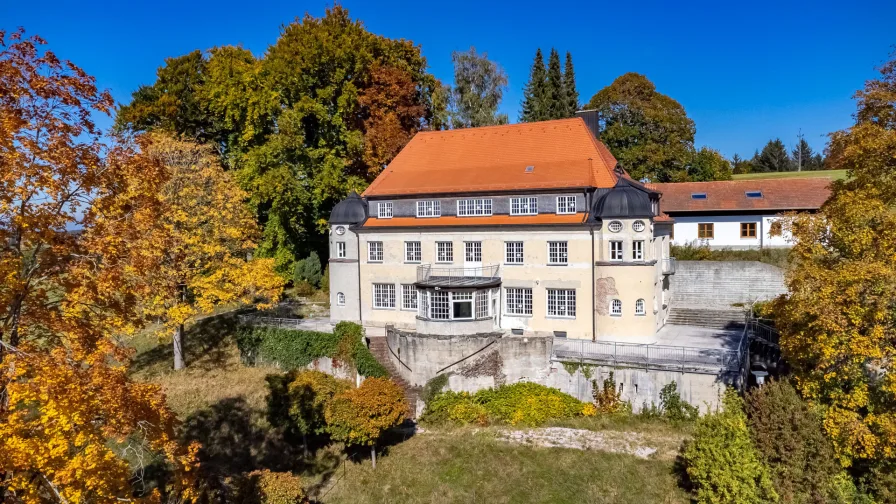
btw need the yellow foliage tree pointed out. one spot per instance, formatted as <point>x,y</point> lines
<point>839,321</point>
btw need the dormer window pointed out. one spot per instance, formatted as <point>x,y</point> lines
<point>524,206</point>
<point>698,195</point>
<point>384,210</point>
<point>429,208</point>
<point>754,194</point>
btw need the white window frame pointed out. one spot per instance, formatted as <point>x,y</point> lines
<point>524,205</point>
<point>638,226</point>
<point>444,255</point>
<point>443,306</point>
<point>566,205</point>
<point>617,255</point>
<point>615,226</point>
<point>429,208</point>
<point>514,256</point>
<point>476,207</point>
<point>413,252</point>
<point>615,307</point>
<point>375,252</point>
<point>384,210</point>
<point>558,253</point>
<point>408,297</point>
<point>340,250</point>
<point>640,309</point>
<point>516,297</point>
<point>385,294</point>
<point>463,297</point>
<point>476,247</point>
<point>340,299</point>
<point>638,250</point>
<point>561,303</point>
<point>483,304</point>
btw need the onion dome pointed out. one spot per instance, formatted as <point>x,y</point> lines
<point>625,200</point>
<point>351,210</point>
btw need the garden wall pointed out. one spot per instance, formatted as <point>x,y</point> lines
<point>725,282</point>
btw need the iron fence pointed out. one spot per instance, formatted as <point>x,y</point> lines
<point>764,333</point>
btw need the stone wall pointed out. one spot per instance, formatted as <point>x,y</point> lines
<point>725,282</point>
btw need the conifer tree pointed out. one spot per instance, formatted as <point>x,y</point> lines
<point>556,98</point>
<point>569,87</point>
<point>534,92</point>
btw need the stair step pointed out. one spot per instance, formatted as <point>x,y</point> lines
<point>379,347</point>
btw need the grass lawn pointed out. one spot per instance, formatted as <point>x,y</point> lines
<point>467,466</point>
<point>834,174</point>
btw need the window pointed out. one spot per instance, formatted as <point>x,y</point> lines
<point>566,204</point>
<point>557,253</point>
<point>439,305</point>
<point>384,210</point>
<point>748,230</point>
<point>482,303</point>
<point>462,305</point>
<point>638,226</point>
<point>408,297</point>
<point>615,226</point>
<point>524,206</point>
<point>340,250</point>
<point>616,308</point>
<point>473,252</point>
<point>473,207</point>
<point>615,250</point>
<point>638,250</point>
<point>340,299</point>
<point>519,301</point>
<point>429,208</point>
<point>698,195</point>
<point>561,303</point>
<point>384,295</point>
<point>639,307</point>
<point>444,252</point>
<point>705,230</point>
<point>412,252</point>
<point>754,194</point>
<point>375,251</point>
<point>513,252</point>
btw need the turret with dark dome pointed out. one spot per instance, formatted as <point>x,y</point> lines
<point>627,199</point>
<point>351,210</point>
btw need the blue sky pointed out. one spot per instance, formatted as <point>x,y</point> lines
<point>744,71</point>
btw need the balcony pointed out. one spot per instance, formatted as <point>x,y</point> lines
<point>669,266</point>
<point>458,277</point>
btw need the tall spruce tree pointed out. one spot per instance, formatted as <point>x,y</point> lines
<point>804,158</point>
<point>569,87</point>
<point>773,158</point>
<point>556,95</point>
<point>534,93</point>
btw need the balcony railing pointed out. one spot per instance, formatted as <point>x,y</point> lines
<point>669,266</point>
<point>457,276</point>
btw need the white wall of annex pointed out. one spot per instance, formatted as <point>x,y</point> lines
<point>727,231</point>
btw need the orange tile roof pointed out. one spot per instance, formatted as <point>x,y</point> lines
<point>493,220</point>
<point>777,194</point>
<point>564,152</point>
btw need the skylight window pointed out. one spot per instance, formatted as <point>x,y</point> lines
<point>754,194</point>
<point>530,169</point>
<point>698,195</point>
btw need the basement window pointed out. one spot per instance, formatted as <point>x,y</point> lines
<point>698,195</point>
<point>754,194</point>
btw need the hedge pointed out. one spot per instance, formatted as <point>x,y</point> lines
<point>293,349</point>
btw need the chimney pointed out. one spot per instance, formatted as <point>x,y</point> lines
<point>591,120</point>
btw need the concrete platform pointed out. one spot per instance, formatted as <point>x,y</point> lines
<point>699,337</point>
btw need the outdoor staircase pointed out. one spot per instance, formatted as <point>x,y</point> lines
<point>380,349</point>
<point>712,318</point>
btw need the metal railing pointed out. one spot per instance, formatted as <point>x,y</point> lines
<point>665,357</point>
<point>669,266</point>
<point>426,272</point>
<point>764,333</point>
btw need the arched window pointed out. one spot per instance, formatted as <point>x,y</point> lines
<point>639,307</point>
<point>616,308</point>
<point>340,299</point>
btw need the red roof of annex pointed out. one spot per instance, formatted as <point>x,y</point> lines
<point>779,194</point>
<point>563,152</point>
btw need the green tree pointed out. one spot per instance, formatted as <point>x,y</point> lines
<point>569,87</point>
<point>802,157</point>
<point>741,165</point>
<point>709,165</point>
<point>533,106</point>
<point>479,85</point>
<point>772,158</point>
<point>648,132</point>
<point>556,93</point>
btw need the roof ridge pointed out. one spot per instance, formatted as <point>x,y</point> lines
<point>495,126</point>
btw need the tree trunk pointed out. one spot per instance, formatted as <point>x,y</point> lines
<point>373,455</point>
<point>305,443</point>
<point>179,348</point>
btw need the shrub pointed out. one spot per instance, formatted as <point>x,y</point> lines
<point>303,288</point>
<point>360,416</point>
<point>352,349</point>
<point>325,280</point>
<point>274,488</point>
<point>790,438</point>
<point>309,392</point>
<point>433,387</point>
<point>607,398</point>
<point>673,407</point>
<point>721,462</point>
<point>696,251</point>
<point>308,270</point>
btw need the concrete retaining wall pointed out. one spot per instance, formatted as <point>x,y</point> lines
<point>725,282</point>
